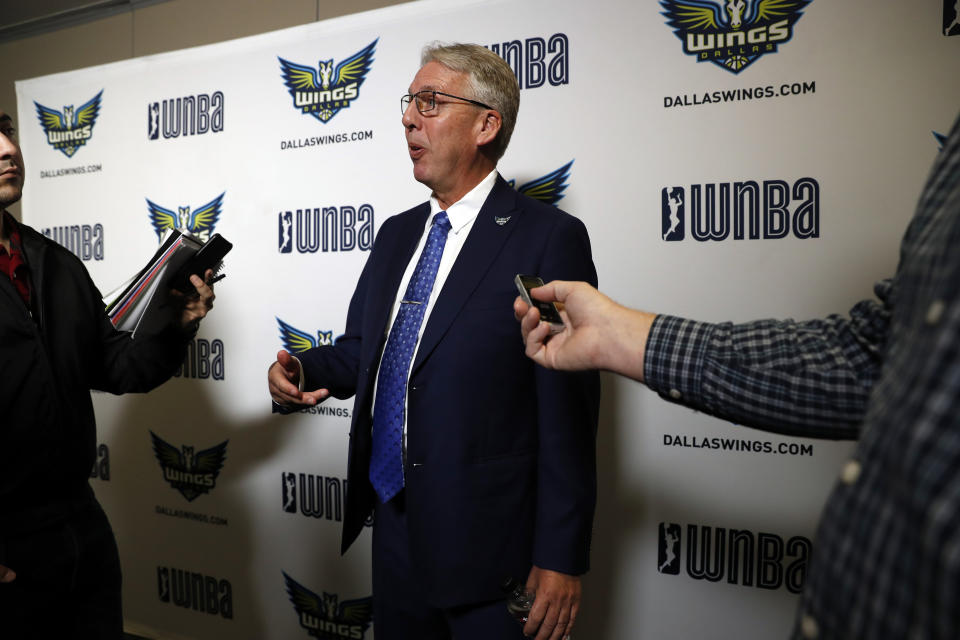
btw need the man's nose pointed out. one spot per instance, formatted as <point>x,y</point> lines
<point>8,148</point>
<point>410,115</point>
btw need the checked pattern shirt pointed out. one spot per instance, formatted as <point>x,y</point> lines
<point>887,558</point>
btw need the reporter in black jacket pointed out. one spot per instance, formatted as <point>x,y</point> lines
<point>57,551</point>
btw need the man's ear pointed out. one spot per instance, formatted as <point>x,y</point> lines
<point>489,127</point>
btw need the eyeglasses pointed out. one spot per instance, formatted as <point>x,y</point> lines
<point>427,101</point>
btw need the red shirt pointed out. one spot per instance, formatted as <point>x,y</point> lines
<point>12,264</point>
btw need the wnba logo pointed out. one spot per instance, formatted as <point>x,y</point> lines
<point>747,210</point>
<point>671,203</point>
<point>951,17</point>
<point>326,229</point>
<point>186,116</point>
<point>195,591</point>
<point>83,240</point>
<point>668,555</point>
<point>736,556</point>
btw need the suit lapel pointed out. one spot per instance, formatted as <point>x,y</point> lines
<point>482,247</point>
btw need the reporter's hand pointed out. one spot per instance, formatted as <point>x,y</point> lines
<point>555,606</point>
<point>195,305</point>
<point>283,380</point>
<point>598,333</point>
<point>7,574</point>
<point>577,346</point>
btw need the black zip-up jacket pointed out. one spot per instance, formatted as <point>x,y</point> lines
<point>51,356</point>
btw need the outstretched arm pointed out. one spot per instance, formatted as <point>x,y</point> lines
<point>806,378</point>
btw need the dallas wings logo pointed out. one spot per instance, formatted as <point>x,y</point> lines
<point>200,221</point>
<point>190,472</point>
<point>294,340</point>
<point>70,129</point>
<point>548,188</point>
<point>323,94</point>
<point>325,618</point>
<point>732,34</point>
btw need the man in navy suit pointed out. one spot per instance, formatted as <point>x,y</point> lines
<point>477,464</point>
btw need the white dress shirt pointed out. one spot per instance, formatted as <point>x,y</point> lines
<point>461,215</point>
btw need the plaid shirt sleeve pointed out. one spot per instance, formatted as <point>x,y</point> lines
<point>810,378</point>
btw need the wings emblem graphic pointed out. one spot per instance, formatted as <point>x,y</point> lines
<point>314,611</point>
<point>191,473</point>
<point>323,91</point>
<point>732,33</point>
<point>548,188</point>
<point>68,130</point>
<point>294,340</point>
<point>199,221</point>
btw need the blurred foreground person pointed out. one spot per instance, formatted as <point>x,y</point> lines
<point>59,568</point>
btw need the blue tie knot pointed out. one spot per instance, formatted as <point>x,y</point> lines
<point>442,221</point>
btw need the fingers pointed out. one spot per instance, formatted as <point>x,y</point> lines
<point>557,623</point>
<point>287,362</point>
<point>285,397</point>
<point>197,304</point>
<point>556,604</point>
<point>536,336</point>
<point>204,290</point>
<point>535,333</point>
<point>283,383</point>
<point>553,291</point>
<point>551,622</point>
<point>520,308</point>
<point>535,619</point>
<point>568,629</point>
<point>283,380</point>
<point>529,321</point>
<point>530,324</point>
<point>314,397</point>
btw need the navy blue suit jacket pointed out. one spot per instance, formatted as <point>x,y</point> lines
<point>500,466</point>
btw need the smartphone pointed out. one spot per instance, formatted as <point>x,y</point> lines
<point>208,257</point>
<point>548,310</point>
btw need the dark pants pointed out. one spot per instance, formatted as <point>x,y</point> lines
<point>400,610</point>
<point>68,581</point>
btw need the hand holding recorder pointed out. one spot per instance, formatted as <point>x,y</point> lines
<point>597,332</point>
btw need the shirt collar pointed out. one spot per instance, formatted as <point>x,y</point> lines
<point>11,230</point>
<point>462,212</point>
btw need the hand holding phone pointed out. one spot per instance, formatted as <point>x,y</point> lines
<point>209,256</point>
<point>548,310</point>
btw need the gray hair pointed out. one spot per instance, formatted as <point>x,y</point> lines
<point>489,78</point>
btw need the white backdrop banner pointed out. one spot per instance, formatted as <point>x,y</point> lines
<point>730,160</point>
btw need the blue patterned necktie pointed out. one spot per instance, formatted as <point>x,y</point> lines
<point>386,461</point>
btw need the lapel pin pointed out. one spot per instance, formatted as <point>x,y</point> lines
<point>501,221</point>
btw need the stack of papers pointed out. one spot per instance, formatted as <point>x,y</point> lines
<point>143,305</point>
